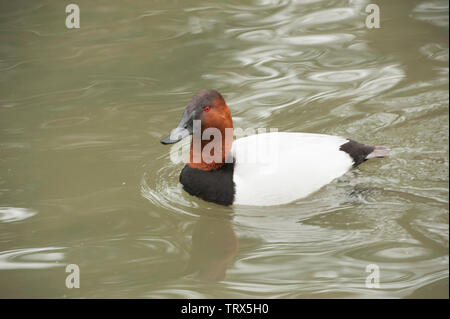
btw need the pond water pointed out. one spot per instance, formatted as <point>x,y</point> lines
<point>84,179</point>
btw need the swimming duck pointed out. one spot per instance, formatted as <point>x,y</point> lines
<point>223,171</point>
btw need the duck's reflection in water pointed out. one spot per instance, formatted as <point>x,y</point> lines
<point>214,244</point>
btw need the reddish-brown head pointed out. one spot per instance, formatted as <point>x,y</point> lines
<point>215,132</point>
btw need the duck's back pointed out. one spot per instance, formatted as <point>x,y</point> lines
<point>278,168</point>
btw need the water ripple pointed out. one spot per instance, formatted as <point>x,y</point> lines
<point>13,214</point>
<point>32,258</point>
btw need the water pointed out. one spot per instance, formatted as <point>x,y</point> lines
<point>84,179</point>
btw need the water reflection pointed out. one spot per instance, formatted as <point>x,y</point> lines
<point>214,244</point>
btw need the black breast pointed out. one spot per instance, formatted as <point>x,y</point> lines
<point>213,186</point>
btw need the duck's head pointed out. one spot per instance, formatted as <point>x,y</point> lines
<point>210,110</point>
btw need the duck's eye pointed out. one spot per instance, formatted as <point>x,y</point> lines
<point>206,108</point>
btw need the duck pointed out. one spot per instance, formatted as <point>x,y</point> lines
<point>264,169</point>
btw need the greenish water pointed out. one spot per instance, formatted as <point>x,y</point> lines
<point>84,179</point>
